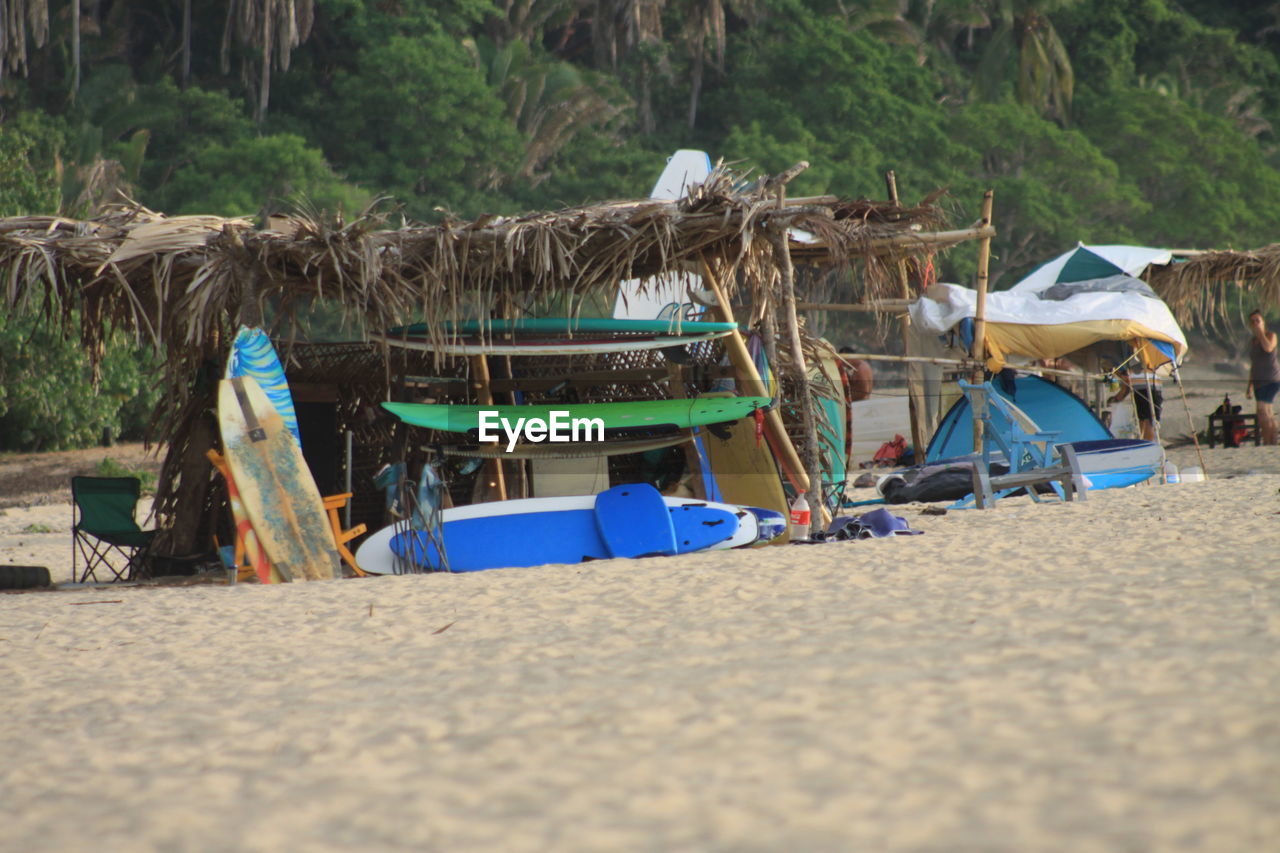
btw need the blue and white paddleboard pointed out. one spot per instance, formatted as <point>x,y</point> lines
<point>253,355</point>
<point>634,521</point>
<point>1118,462</point>
<point>536,531</point>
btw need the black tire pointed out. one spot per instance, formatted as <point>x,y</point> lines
<point>24,577</point>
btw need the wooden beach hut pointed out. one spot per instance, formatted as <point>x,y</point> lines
<point>181,285</point>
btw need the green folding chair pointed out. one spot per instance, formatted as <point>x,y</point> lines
<point>105,532</point>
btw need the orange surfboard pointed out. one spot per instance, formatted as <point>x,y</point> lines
<point>253,550</point>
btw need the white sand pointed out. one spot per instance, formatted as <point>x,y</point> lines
<point>1091,676</point>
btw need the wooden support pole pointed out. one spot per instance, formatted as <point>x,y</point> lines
<point>692,459</point>
<point>800,373</point>
<point>484,396</point>
<point>882,306</point>
<point>1191,427</point>
<point>750,381</point>
<point>980,313</point>
<point>915,398</point>
<point>965,363</point>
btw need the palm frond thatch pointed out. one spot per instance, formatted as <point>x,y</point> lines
<point>1197,289</point>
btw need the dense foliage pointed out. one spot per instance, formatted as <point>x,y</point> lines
<point>1101,120</point>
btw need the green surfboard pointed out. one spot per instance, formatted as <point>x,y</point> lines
<point>631,415</point>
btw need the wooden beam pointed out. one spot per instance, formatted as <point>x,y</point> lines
<point>749,380</point>
<point>800,375</point>
<point>911,240</point>
<point>964,363</point>
<point>915,396</point>
<point>484,396</point>
<point>884,306</point>
<point>980,313</point>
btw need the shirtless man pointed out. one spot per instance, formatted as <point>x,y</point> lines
<point>1264,375</point>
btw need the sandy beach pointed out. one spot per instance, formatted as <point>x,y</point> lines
<point>1098,675</point>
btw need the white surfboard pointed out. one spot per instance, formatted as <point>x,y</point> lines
<point>566,346</point>
<point>667,295</point>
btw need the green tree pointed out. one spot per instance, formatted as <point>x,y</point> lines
<point>48,399</point>
<point>1208,185</point>
<point>419,121</point>
<point>248,176</point>
<point>1025,38</point>
<point>1052,186</point>
<point>28,174</point>
<point>850,105</point>
<point>550,102</point>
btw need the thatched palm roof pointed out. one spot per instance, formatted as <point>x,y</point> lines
<point>1198,289</point>
<point>177,280</point>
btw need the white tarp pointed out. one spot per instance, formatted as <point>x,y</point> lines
<point>945,305</point>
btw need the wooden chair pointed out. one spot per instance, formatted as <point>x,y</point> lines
<point>332,505</point>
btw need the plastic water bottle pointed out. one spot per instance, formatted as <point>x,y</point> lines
<point>1170,472</point>
<point>800,518</point>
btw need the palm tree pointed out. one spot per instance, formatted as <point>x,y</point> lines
<point>527,20</point>
<point>704,22</point>
<point>16,18</point>
<point>623,29</point>
<point>274,28</point>
<point>1023,32</point>
<point>550,102</point>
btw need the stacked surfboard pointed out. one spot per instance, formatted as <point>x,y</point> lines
<point>632,520</point>
<point>553,336</point>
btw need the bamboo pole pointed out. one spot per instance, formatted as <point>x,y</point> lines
<point>913,240</point>
<point>692,458</point>
<point>484,396</point>
<point>980,313</point>
<point>1186,407</point>
<point>914,396</point>
<point>800,373</point>
<point>967,363</point>
<point>884,306</point>
<point>751,382</point>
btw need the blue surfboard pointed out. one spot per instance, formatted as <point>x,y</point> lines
<point>511,540</point>
<point>253,355</point>
<point>698,527</point>
<point>634,521</point>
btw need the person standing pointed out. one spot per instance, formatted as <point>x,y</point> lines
<point>1148,398</point>
<point>1264,375</point>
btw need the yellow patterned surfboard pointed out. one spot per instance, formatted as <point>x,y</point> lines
<point>745,469</point>
<point>277,491</point>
